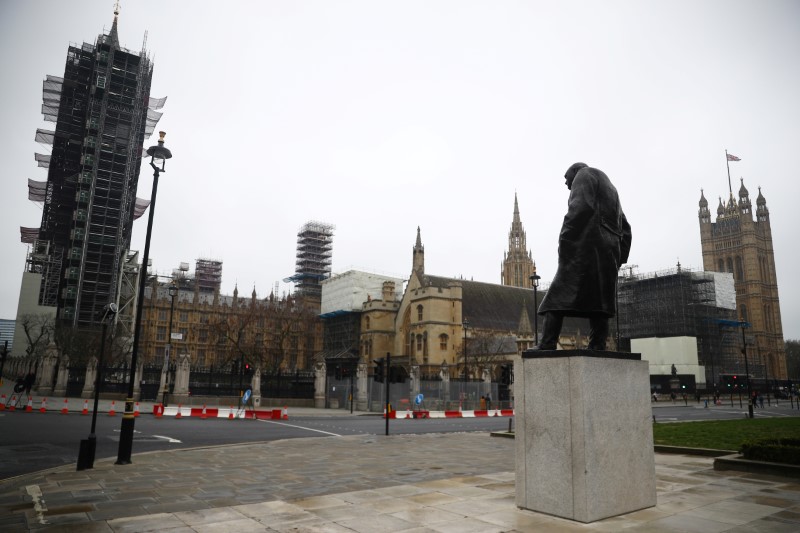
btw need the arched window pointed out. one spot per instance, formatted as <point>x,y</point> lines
<point>721,267</point>
<point>366,323</point>
<point>744,312</point>
<point>419,343</point>
<point>443,342</point>
<point>419,312</point>
<point>730,265</point>
<point>739,269</point>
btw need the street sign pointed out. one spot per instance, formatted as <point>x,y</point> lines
<point>246,395</point>
<point>176,336</point>
<point>418,399</point>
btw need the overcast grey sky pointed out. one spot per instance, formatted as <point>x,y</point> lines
<point>379,117</point>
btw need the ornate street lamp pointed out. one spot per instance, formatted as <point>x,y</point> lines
<point>535,284</point>
<point>158,157</point>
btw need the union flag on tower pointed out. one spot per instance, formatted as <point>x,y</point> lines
<point>732,157</point>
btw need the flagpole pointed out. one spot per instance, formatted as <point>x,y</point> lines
<point>728,164</point>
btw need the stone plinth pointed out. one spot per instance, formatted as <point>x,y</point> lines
<point>584,435</point>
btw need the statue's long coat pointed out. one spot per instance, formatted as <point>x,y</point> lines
<point>595,240</point>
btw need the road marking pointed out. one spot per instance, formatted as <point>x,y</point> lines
<point>39,506</point>
<point>168,439</point>
<point>301,427</point>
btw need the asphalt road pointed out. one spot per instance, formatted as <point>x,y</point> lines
<point>33,441</point>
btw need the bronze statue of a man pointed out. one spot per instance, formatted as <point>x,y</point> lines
<point>594,242</point>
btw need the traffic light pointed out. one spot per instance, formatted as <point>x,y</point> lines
<point>247,369</point>
<point>379,372</point>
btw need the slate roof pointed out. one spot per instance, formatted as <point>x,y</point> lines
<point>499,307</point>
<point>490,306</point>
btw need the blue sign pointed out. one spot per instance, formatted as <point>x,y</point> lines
<point>418,399</point>
<point>246,395</point>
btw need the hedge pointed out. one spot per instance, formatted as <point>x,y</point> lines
<point>785,451</point>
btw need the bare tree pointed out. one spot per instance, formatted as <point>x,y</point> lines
<point>265,333</point>
<point>38,332</point>
<point>487,349</point>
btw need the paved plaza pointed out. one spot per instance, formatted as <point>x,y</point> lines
<point>461,482</point>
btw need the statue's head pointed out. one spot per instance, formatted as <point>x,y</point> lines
<point>571,172</point>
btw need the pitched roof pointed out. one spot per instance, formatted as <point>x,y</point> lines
<point>490,306</point>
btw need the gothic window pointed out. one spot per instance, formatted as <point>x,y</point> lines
<point>366,323</point>
<point>730,265</point>
<point>419,312</point>
<point>739,269</point>
<point>744,312</point>
<point>721,267</point>
<point>162,314</point>
<point>184,316</point>
<point>161,333</point>
<point>443,342</point>
<point>419,343</point>
<point>203,335</point>
<point>425,346</point>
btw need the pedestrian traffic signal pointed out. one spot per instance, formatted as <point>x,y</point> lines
<point>379,370</point>
<point>247,369</point>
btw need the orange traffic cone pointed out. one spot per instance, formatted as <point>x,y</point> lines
<point>178,415</point>
<point>159,410</point>
<point>43,407</point>
<point>112,411</point>
<point>230,414</point>
<point>2,402</point>
<point>29,407</point>
<point>285,414</point>
<point>136,410</point>
<point>203,415</point>
<point>13,405</point>
<point>65,409</point>
<point>85,410</point>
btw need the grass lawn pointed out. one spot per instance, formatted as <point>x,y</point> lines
<point>724,434</point>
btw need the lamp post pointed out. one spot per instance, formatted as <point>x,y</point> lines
<point>3,360</point>
<point>465,325</point>
<point>535,283</point>
<point>158,157</point>
<point>88,446</point>
<point>743,325</point>
<point>173,292</point>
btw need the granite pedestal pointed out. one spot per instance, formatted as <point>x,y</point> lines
<point>584,435</point>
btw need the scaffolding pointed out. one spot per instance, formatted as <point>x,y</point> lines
<point>208,275</point>
<point>314,251</point>
<point>102,111</point>
<point>682,303</point>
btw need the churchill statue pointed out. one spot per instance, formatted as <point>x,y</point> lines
<point>594,242</point>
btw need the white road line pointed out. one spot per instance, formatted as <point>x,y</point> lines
<point>168,439</point>
<point>301,427</point>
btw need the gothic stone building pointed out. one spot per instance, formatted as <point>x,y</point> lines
<point>742,245</point>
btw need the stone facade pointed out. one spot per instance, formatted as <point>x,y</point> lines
<point>742,245</point>
<point>279,332</point>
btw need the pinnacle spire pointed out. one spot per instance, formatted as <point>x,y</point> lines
<point>113,36</point>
